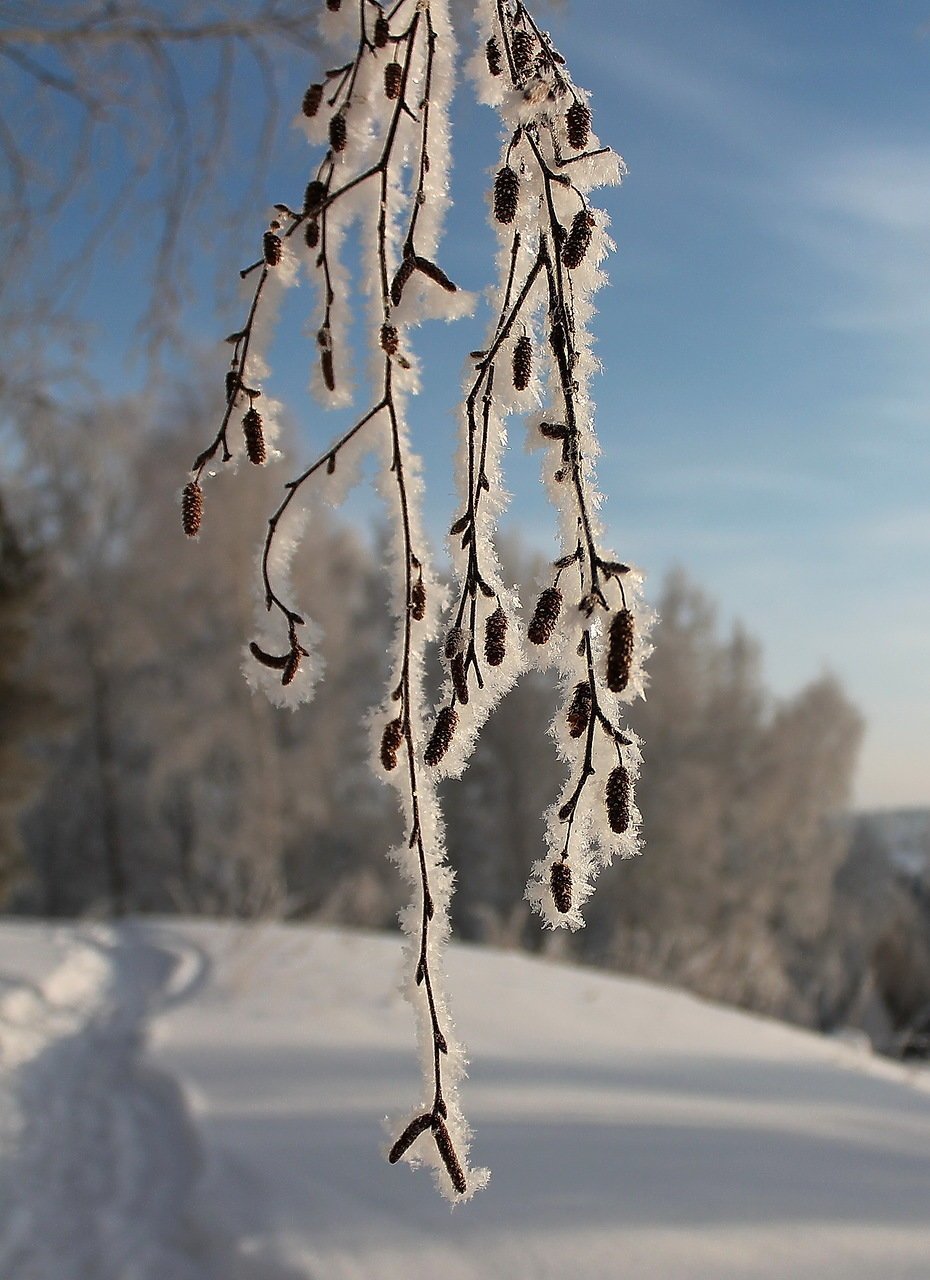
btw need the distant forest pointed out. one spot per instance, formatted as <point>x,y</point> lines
<point>141,775</point>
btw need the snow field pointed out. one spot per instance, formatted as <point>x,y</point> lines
<point>633,1131</point>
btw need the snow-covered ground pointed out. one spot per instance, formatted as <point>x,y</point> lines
<point>184,1101</point>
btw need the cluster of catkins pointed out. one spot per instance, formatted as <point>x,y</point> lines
<point>382,120</point>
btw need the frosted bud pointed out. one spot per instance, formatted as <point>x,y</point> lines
<point>495,637</point>
<point>506,191</point>
<point>271,248</point>
<point>338,132</point>
<point>418,601</point>
<point>254,437</point>
<point>620,651</point>
<point>522,362</point>
<point>312,100</point>
<point>314,196</point>
<point>579,239</point>
<point>441,737</point>
<point>618,799</point>
<point>579,709</point>
<point>545,616</point>
<point>391,741</point>
<point>523,47</point>
<point>447,1154</point>
<point>192,508</point>
<point>459,678</point>
<point>560,882</point>
<point>578,125</point>
<point>457,642</point>
<point>393,79</point>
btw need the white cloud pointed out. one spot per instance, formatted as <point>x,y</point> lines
<point>882,187</point>
<point>863,212</point>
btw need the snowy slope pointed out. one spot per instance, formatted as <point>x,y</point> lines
<point>632,1131</point>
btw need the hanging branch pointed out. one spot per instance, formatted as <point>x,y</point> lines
<point>377,110</point>
<point>595,629</point>
<point>383,117</point>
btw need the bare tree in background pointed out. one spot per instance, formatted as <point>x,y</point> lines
<point>743,812</point>
<point>148,92</point>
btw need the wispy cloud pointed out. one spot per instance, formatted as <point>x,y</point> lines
<point>864,214</point>
<point>743,480</point>
<point>882,187</point>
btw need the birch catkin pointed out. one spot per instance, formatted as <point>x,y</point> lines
<point>560,882</point>
<point>618,799</point>
<point>192,508</point>
<point>620,651</point>
<point>506,193</point>
<point>545,616</point>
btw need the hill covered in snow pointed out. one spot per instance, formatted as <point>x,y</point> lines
<point>189,1101</point>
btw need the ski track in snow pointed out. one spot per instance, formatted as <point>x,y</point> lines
<point>99,1158</point>
<point>635,1133</point>
<point>101,1170</point>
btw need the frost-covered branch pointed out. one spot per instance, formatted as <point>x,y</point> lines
<point>382,113</point>
<point>550,163</point>
<point>382,116</point>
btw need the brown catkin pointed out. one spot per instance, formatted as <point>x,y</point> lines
<point>459,678</point>
<point>409,1136</point>
<point>382,31</point>
<point>277,661</point>
<point>393,79</point>
<point>271,248</point>
<point>492,52</point>
<point>418,600</point>
<point>292,666</point>
<point>506,193</point>
<point>578,125</point>
<point>435,273</point>
<point>522,362</point>
<point>523,46</point>
<point>338,132</point>
<point>456,642</point>
<point>391,741</point>
<point>441,737</point>
<point>233,384</point>
<point>328,370</point>
<point>314,196</point>
<point>579,239</point>
<point>618,799</point>
<point>312,234</point>
<point>192,508</point>
<point>399,283</point>
<point>447,1153</point>
<point>560,882</point>
<point>334,5</point>
<point>313,99</point>
<point>545,616</point>
<point>579,709</point>
<point>254,437</point>
<point>620,651</point>
<point>390,339</point>
<point>495,637</point>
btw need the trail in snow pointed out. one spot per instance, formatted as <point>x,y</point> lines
<point>99,1156</point>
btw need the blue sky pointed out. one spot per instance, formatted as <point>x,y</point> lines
<point>766,385</point>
